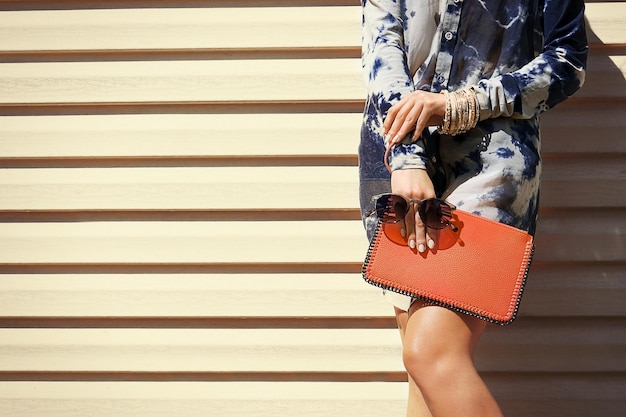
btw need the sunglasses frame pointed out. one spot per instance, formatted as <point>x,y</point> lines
<point>419,203</point>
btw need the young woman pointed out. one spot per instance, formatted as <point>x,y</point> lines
<point>455,89</point>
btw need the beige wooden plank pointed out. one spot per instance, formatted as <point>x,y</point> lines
<point>180,135</point>
<point>519,395</point>
<point>551,290</point>
<point>238,390</point>
<point>605,77</point>
<point>571,395</point>
<point>166,81</point>
<point>581,237</point>
<point>554,345</point>
<point>183,242</point>
<point>206,28</point>
<point>597,130</point>
<point>585,128</point>
<point>603,184</point>
<point>201,295</point>
<point>191,399</point>
<point>593,289</point>
<point>252,188</point>
<point>582,345</point>
<point>562,236</point>
<point>200,350</point>
<point>221,81</point>
<point>265,27</point>
<point>180,188</point>
<point>606,22</point>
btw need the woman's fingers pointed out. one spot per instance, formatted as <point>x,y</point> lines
<point>432,237</point>
<point>405,123</point>
<point>416,185</point>
<point>401,120</point>
<point>413,114</point>
<point>420,237</point>
<point>417,237</point>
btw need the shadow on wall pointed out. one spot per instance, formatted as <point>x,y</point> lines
<point>609,80</point>
<point>582,284</point>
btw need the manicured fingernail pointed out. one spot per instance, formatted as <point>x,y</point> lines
<point>386,139</point>
<point>395,139</point>
<point>412,244</point>
<point>421,248</point>
<point>431,243</point>
<point>403,232</point>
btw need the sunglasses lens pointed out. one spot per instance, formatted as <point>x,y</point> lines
<point>391,208</point>
<point>435,213</point>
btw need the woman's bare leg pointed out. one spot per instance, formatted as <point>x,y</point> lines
<point>438,350</point>
<point>416,406</point>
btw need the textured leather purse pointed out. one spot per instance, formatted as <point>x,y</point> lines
<point>479,270</point>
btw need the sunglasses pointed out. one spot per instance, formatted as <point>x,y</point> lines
<point>434,212</point>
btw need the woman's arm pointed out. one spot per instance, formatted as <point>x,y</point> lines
<point>384,63</point>
<point>554,75</point>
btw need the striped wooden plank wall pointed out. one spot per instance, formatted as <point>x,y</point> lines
<point>179,232</point>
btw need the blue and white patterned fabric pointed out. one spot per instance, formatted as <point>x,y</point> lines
<point>522,57</point>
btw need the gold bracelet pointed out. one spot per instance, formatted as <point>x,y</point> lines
<point>445,127</point>
<point>462,112</point>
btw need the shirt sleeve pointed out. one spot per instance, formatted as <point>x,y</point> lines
<point>383,56</point>
<point>550,78</point>
<point>386,71</point>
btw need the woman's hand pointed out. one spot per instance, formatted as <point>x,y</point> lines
<point>415,184</point>
<point>413,113</point>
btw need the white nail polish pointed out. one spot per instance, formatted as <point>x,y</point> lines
<point>412,244</point>
<point>403,232</point>
<point>431,244</point>
<point>421,248</point>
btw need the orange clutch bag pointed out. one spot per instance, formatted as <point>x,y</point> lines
<point>479,270</point>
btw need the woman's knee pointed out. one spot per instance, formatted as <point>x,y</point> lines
<point>437,346</point>
<point>425,357</point>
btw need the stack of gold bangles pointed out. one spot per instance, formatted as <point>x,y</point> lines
<point>462,112</point>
